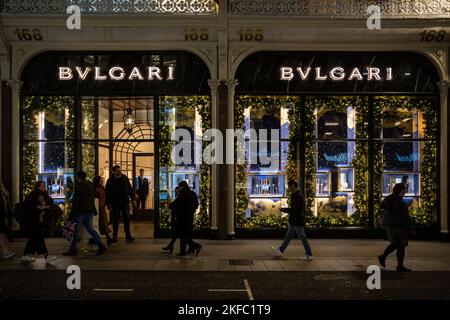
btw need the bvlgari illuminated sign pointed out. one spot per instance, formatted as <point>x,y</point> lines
<point>117,73</point>
<point>336,73</point>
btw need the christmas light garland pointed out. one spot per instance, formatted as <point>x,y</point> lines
<point>425,213</point>
<point>185,104</point>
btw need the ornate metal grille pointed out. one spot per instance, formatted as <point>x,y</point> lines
<point>186,7</point>
<point>343,8</point>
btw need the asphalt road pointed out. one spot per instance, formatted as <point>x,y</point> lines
<point>138,285</point>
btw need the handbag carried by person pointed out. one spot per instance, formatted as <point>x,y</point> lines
<point>70,227</point>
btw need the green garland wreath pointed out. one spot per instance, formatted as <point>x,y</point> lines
<point>241,194</point>
<point>31,107</point>
<point>185,103</point>
<point>425,214</point>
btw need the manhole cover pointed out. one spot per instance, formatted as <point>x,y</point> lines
<point>241,262</point>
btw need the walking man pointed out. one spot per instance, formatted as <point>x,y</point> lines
<point>83,210</point>
<point>397,224</point>
<point>142,189</point>
<point>118,193</point>
<point>296,222</point>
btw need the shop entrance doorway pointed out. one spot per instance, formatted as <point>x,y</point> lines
<point>125,135</point>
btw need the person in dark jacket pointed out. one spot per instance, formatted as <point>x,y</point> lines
<point>118,193</point>
<point>185,205</point>
<point>83,210</point>
<point>175,225</point>
<point>142,187</point>
<point>37,204</point>
<point>397,224</point>
<point>296,222</point>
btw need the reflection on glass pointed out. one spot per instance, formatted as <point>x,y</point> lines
<point>403,124</point>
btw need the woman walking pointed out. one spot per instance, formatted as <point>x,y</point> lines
<point>37,203</point>
<point>99,190</point>
<point>397,223</point>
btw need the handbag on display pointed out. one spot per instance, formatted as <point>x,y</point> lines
<point>70,227</point>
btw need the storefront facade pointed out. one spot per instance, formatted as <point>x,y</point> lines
<point>357,110</point>
<point>352,125</point>
<point>93,110</point>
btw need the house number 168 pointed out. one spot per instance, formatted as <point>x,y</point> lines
<point>28,35</point>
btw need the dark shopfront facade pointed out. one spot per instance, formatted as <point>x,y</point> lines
<point>91,110</point>
<point>347,133</point>
<point>351,125</point>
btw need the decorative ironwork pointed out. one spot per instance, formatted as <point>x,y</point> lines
<point>342,8</point>
<point>189,7</point>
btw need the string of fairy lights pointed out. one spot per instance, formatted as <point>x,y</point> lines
<point>168,104</point>
<point>422,214</point>
<point>305,117</point>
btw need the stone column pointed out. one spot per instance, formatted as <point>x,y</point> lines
<point>15,139</point>
<point>214,85</point>
<point>231,85</point>
<point>443,174</point>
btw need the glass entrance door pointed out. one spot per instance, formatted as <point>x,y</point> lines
<point>120,131</point>
<point>144,168</point>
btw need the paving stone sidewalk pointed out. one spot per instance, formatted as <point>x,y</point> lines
<point>146,254</point>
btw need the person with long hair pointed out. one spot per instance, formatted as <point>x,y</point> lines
<point>99,191</point>
<point>37,204</point>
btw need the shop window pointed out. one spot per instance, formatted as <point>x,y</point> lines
<point>48,145</point>
<point>408,127</point>
<point>261,183</point>
<point>334,158</point>
<point>192,114</point>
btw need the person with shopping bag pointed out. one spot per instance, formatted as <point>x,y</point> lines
<point>83,210</point>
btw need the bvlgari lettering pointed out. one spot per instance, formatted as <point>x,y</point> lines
<point>117,73</point>
<point>336,73</point>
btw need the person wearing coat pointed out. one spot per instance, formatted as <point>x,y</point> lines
<point>142,189</point>
<point>185,205</point>
<point>83,210</point>
<point>99,191</point>
<point>296,222</point>
<point>118,193</point>
<point>37,205</point>
<point>397,224</point>
<point>4,229</point>
<point>174,225</point>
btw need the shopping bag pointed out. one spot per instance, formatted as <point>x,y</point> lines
<point>70,227</point>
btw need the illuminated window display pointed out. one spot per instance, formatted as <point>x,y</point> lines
<point>409,152</point>
<point>346,141</point>
<point>192,114</point>
<point>48,132</point>
<point>99,110</point>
